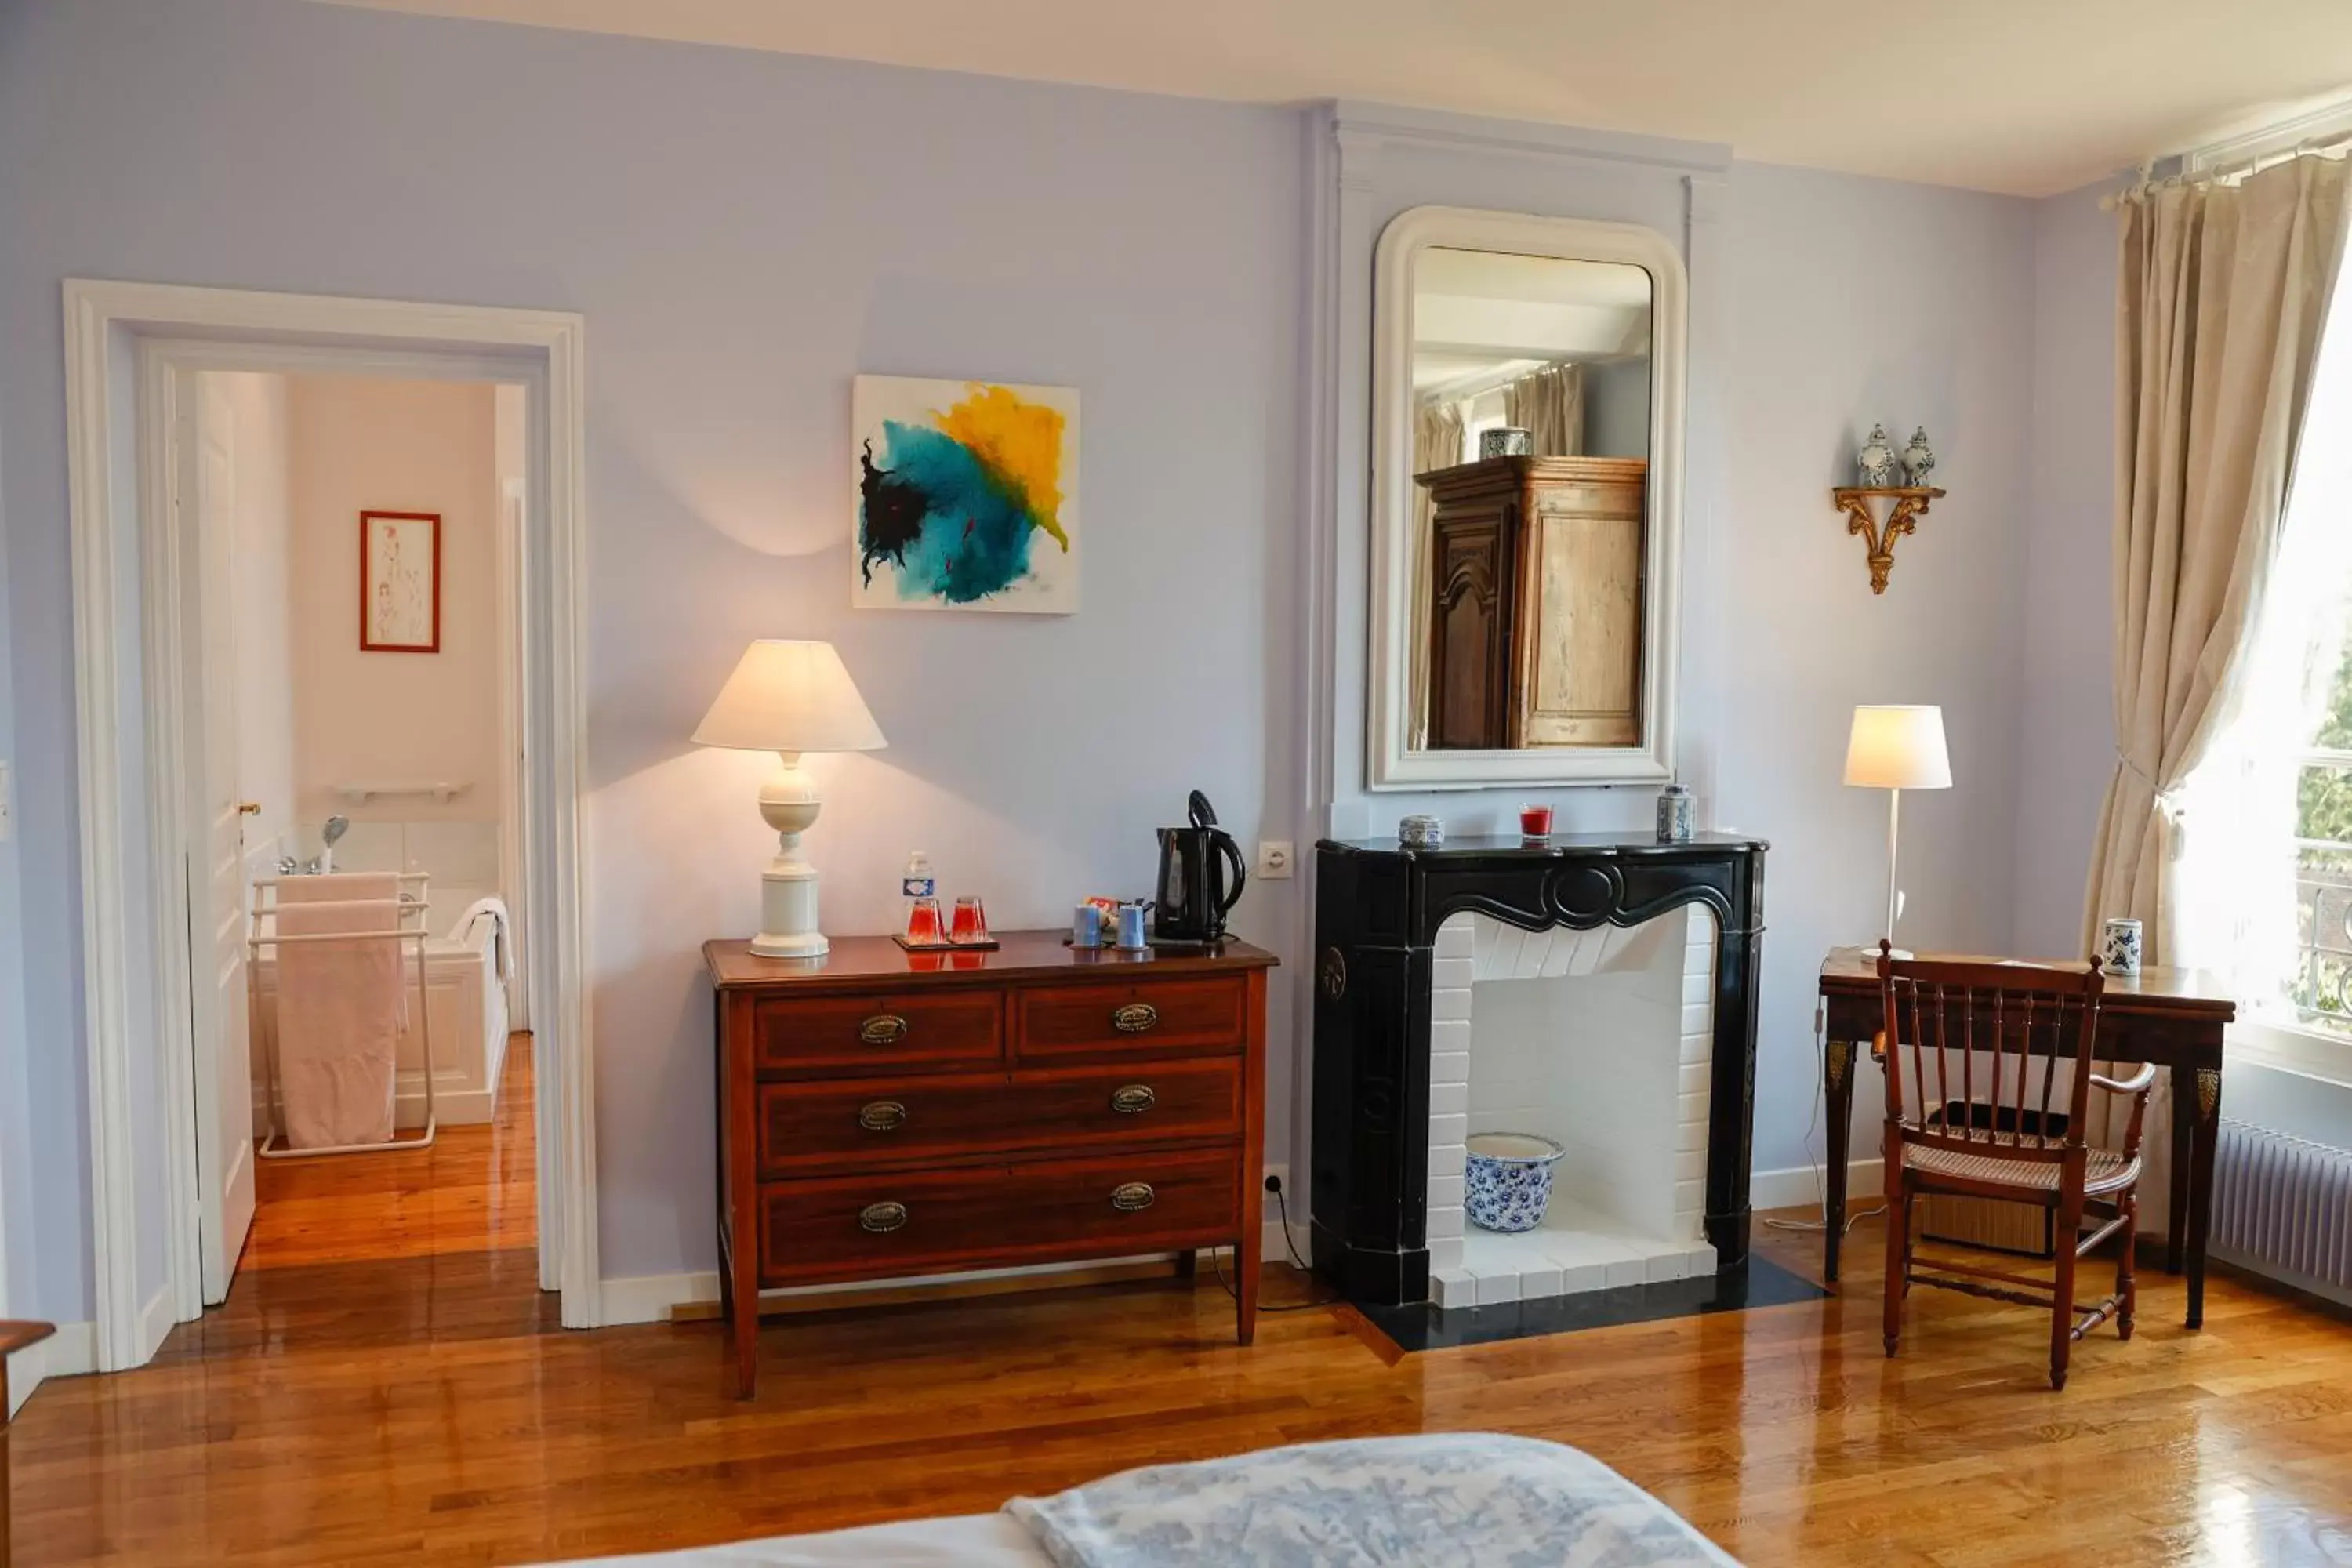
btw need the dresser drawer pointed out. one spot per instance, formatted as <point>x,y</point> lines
<point>1137,1018</point>
<point>884,1224</point>
<point>845,1036</point>
<point>809,1128</point>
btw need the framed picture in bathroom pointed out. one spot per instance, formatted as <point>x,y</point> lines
<point>400,582</point>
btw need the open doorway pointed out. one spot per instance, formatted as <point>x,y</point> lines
<point>164,864</point>
<point>351,698</point>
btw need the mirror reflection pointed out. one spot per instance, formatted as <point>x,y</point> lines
<point>1531,447</point>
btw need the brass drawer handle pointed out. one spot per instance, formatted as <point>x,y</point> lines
<point>1135,1017</point>
<point>1133,1100</point>
<point>885,1217</point>
<point>881,1115</point>
<point>1132,1197</point>
<point>882,1029</point>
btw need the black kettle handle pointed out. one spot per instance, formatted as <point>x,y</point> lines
<point>1232,852</point>
<point>1197,807</point>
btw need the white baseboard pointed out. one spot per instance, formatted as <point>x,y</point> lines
<point>650,1298</point>
<point>157,1318</point>
<point>1801,1186</point>
<point>455,1107</point>
<point>72,1351</point>
<point>2295,1278</point>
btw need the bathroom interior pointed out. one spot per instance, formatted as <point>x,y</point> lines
<point>378,761</point>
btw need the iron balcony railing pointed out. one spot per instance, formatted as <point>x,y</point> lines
<point>2320,993</point>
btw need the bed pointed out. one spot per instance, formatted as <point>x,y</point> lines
<point>1460,1499</point>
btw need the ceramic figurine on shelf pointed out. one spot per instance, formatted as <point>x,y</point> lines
<point>1876,460</point>
<point>1918,460</point>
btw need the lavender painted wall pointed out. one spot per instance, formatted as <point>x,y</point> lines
<point>744,232</point>
<point>2065,710</point>
<point>1856,300</point>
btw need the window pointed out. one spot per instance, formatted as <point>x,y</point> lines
<point>2264,851</point>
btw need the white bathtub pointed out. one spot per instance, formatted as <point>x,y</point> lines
<point>467,1009</point>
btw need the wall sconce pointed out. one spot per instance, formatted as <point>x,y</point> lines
<point>1907,503</point>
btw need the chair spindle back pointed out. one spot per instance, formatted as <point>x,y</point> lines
<point>2000,1020</point>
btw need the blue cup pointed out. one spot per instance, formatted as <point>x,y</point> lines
<point>1085,927</point>
<point>1130,926</point>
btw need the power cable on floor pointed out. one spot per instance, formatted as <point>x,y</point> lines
<point>1854,1216</point>
<point>1282,1204</point>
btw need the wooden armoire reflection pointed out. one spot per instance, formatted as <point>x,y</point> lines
<point>1535,617</point>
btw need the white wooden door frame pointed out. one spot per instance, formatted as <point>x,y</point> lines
<point>119,339</point>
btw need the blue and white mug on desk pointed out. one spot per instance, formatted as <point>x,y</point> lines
<point>1130,926</point>
<point>2119,947</point>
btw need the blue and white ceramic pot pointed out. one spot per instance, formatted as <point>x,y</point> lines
<point>2119,949</point>
<point>1507,1180</point>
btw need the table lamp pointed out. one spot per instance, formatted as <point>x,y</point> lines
<point>1896,749</point>
<point>790,697</point>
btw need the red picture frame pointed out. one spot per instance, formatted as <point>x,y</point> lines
<point>394,607</point>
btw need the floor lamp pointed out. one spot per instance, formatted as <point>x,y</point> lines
<point>1896,749</point>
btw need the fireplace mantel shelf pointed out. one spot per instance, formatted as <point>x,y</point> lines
<point>1378,907</point>
<point>1557,847</point>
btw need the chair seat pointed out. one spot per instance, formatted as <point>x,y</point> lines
<point>2107,1172</point>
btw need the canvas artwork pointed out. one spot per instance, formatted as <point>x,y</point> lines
<point>967,496</point>
<point>400,582</point>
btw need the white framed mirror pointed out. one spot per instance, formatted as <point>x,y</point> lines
<point>1526,501</point>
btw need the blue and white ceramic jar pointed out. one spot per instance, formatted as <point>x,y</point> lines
<point>1674,814</point>
<point>2119,950</point>
<point>1506,1180</point>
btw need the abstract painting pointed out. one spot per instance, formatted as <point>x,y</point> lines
<point>400,582</point>
<point>967,496</point>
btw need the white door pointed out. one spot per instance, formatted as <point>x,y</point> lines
<point>216,874</point>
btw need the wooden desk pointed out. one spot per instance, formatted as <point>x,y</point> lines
<point>2172,1018</point>
<point>885,1114</point>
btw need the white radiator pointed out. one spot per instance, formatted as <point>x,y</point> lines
<point>2283,1206</point>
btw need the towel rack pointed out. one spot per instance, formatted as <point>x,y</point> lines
<point>265,908</point>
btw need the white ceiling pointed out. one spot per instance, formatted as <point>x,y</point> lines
<point>2029,97</point>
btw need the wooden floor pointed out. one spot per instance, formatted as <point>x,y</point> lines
<point>385,1384</point>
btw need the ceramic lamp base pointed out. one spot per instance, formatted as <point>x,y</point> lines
<point>788,888</point>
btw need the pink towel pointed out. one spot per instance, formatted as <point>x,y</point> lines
<point>339,886</point>
<point>340,1014</point>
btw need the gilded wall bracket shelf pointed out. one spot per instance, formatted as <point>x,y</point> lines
<point>1909,504</point>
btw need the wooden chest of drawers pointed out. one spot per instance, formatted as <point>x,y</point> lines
<point>885,1114</point>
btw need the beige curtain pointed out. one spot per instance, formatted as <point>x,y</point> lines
<point>1549,403</point>
<point>2218,302</point>
<point>1436,444</point>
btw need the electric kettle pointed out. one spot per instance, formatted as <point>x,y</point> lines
<point>1193,861</point>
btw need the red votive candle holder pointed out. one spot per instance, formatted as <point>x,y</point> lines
<point>923,923</point>
<point>971,921</point>
<point>1535,821</point>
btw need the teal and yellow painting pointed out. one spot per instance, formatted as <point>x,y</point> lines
<point>967,496</point>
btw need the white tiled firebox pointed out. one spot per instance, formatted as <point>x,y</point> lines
<point>1599,1039</point>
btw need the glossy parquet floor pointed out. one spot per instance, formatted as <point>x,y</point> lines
<point>385,1384</point>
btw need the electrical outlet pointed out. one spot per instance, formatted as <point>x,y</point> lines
<point>1273,860</point>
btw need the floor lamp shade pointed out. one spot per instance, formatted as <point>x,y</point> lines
<point>1898,748</point>
<point>790,697</point>
<point>1895,749</point>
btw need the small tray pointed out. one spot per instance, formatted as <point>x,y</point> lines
<point>987,944</point>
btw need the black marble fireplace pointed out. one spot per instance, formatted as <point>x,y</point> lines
<point>1378,909</point>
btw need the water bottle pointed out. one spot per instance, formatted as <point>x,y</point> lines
<point>921,891</point>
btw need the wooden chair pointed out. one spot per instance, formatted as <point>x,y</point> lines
<point>14,1336</point>
<point>1980,1028</point>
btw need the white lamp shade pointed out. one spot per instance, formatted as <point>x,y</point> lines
<point>790,697</point>
<point>1898,748</point>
